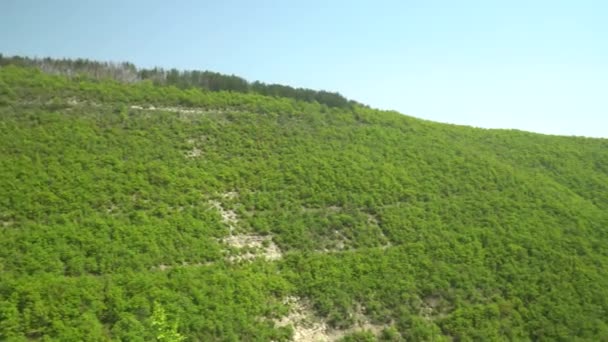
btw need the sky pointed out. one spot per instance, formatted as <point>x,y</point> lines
<point>539,66</point>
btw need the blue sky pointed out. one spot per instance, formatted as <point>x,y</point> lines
<point>534,65</point>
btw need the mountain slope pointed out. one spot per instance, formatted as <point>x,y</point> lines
<point>128,208</point>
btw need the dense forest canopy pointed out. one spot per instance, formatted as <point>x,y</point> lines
<point>156,207</point>
<point>207,80</point>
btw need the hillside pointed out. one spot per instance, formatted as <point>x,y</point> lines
<point>142,211</point>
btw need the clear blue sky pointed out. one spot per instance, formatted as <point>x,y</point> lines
<point>534,65</point>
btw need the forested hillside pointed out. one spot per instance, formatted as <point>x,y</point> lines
<point>135,211</point>
<point>207,80</point>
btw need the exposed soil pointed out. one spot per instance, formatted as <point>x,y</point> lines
<point>172,109</point>
<point>254,246</point>
<point>229,217</point>
<point>310,328</point>
<point>249,246</point>
<point>195,152</point>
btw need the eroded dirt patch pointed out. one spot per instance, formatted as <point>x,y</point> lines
<point>229,217</point>
<point>253,246</point>
<point>195,152</point>
<point>244,246</point>
<point>196,147</point>
<point>230,195</point>
<point>308,327</point>
<point>433,307</point>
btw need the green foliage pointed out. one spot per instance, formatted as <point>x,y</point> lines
<point>6,94</point>
<point>206,80</point>
<point>428,231</point>
<point>364,336</point>
<point>165,331</point>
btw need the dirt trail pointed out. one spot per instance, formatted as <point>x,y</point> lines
<point>181,110</point>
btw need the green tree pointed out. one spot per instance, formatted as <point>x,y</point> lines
<point>165,331</point>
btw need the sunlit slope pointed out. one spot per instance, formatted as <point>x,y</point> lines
<point>231,211</point>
